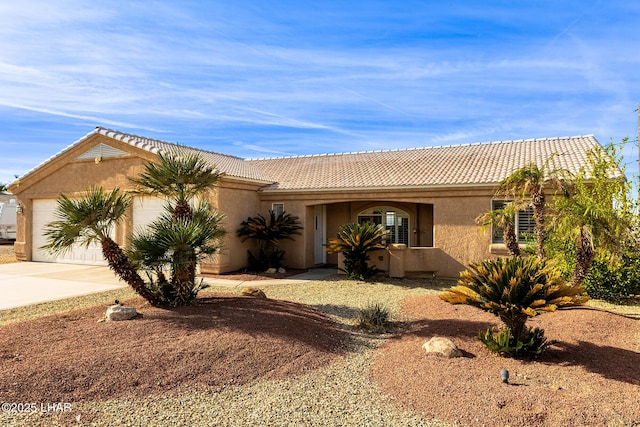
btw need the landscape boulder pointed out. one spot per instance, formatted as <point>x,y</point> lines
<point>253,292</point>
<point>119,312</point>
<point>442,346</point>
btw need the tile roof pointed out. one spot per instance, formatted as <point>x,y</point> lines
<point>459,165</point>
<point>225,164</point>
<point>471,164</point>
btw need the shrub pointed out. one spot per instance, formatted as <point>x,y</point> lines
<point>374,318</point>
<point>514,289</point>
<point>614,281</point>
<point>531,343</point>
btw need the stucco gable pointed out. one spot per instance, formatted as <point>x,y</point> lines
<point>124,145</point>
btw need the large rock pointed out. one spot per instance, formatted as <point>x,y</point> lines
<point>119,312</point>
<point>442,346</point>
<point>253,292</point>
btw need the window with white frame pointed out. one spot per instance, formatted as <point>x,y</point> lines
<point>524,224</point>
<point>277,208</point>
<point>394,220</point>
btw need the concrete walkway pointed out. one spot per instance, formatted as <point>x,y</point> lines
<point>26,283</point>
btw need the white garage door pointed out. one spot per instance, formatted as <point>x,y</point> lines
<point>43,213</point>
<point>146,209</point>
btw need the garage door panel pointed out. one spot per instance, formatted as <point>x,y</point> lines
<point>44,213</point>
<point>146,209</point>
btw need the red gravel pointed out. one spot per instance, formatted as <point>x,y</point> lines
<point>590,377</point>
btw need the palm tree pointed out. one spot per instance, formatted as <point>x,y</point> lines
<point>595,210</point>
<point>268,232</point>
<point>503,218</point>
<point>91,219</point>
<point>179,178</point>
<point>355,241</point>
<point>178,246</point>
<point>528,183</point>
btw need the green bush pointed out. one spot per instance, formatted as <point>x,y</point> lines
<point>614,281</point>
<point>531,343</point>
<point>374,318</point>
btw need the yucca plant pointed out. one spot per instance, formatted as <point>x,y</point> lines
<point>514,289</point>
<point>355,241</point>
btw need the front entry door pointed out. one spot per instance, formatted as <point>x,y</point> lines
<point>320,235</point>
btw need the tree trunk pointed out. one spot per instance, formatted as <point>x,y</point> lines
<point>538,213</point>
<point>511,240</point>
<point>584,257</point>
<point>121,266</point>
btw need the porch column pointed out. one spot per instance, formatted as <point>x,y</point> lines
<point>397,254</point>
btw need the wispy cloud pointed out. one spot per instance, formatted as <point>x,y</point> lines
<point>258,78</point>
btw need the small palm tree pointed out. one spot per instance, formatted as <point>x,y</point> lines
<point>177,246</point>
<point>528,184</point>
<point>503,218</point>
<point>179,178</point>
<point>514,289</point>
<point>355,241</point>
<point>91,219</point>
<point>269,232</point>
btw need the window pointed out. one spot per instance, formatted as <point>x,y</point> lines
<point>394,220</point>
<point>524,223</point>
<point>277,208</point>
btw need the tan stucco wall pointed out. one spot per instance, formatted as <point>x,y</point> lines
<point>441,217</point>
<point>237,201</point>
<point>455,237</point>
<point>66,175</point>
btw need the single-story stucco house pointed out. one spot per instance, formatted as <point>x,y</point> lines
<point>427,197</point>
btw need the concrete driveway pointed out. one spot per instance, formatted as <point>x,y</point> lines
<point>26,283</point>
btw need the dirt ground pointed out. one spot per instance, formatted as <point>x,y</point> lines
<point>591,376</point>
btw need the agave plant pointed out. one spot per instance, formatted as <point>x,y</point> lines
<point>514,289</point>
<point>355,241</point>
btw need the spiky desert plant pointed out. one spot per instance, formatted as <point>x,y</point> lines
<point>514,289</point>
<point>355,241</point>
<point>91,219</point>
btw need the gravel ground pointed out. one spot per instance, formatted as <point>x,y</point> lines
<point>6,253</point>
<point>340,394</point>
<point>336,395</point>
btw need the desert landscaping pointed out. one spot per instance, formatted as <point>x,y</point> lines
<point>296,358</point>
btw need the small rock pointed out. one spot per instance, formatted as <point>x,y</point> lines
<point>442,346</point>
<point>253,292</point>
<point>119,312</point>
<point>271,271</point>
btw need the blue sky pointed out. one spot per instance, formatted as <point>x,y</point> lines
<point>277,78</point>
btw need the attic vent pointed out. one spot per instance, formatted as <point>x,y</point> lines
<point>101,151</point>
